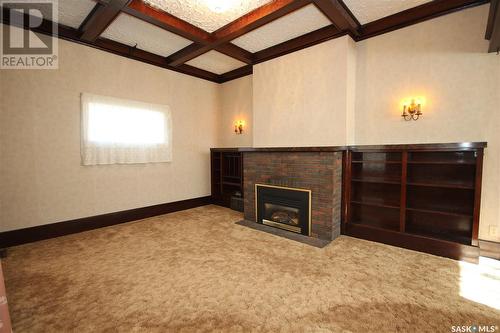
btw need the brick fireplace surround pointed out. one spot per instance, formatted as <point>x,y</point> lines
<point>315,169</point>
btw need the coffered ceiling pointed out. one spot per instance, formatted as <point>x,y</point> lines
<point>220,40</point>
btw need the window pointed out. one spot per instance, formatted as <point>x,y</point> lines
<point>116,131</point>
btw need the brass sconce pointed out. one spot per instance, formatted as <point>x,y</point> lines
<point>238,126</point>
<point>412,111</point>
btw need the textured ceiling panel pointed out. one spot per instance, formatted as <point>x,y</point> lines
<point>72,12</point>
<point>371,10</point>
<point>216,62</point>
<point>208,15</point>
<point>130,30</point>
<point>295,24</point>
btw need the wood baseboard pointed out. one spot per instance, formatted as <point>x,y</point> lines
<point>413,242</point>
<point>489,249</point>
<point>33,234</point>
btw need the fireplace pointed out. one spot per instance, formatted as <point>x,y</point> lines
<point>283,207</point>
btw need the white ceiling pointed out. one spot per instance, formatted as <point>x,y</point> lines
<point>215,62</point>
<point>293,25</point>
<point>205,14</point>
<point>371,10</point>
<point>72,12</point>
<point>129,30</point>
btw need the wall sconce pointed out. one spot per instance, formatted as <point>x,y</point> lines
<point>238,126</point>
<point>412,110</point>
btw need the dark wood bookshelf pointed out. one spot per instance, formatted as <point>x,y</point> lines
<point>226,175</point>
<point>409,195</point>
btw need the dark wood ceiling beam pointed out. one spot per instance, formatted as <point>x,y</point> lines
<point>100,18</point>
<point>164,20</point>
<point>415,15</point>
<point>257,18</point>
<point>235,74</point>
<point>236,52</point>
<point>493,27</point>
<point>189,52</point>
<point>339,15</point>
<point>298,43</point>
<point>194,50</point>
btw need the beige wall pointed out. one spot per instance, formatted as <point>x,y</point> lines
<point>301,99</point>
<point>445,61</point>
<point>236,104</point>
<point>41,178</point>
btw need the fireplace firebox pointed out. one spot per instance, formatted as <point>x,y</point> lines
<point>283,207</point>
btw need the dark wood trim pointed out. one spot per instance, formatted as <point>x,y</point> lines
<point>281,149</point>
<point>257,18</point>
<point>404,175</point>
<point>236,52</point>
<point>337,13</point>
<point>491,18</point>
<point>235,74</point>
<point>489,249</point>
<point>198,72</point>
<point>424,146</point>
<point>161,19</point>
<point>33,234</point>
<point>493,27</point>
<point>187,53</point>
<point>415,15</point>
<point>90,15</point>
<point>457,146</point>
<point>194,50</point>
<point>413,242</point>
<point>310,39</point>
<point>347,190</point>
<point>100,18</point>
<point>351,14</point>
<point>477,196</point>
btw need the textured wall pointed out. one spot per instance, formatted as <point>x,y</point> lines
<point>41,178</point>
<point>236,104</point>
<point>301,99</point>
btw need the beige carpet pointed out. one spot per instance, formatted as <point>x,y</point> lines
<point>196,271</point>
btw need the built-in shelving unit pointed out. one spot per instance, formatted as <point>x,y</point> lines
<point>428,193</point>
<point>226,175</point>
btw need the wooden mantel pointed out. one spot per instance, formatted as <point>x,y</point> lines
<point>411,146</point>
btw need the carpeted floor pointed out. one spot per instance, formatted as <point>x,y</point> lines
<point>197,271</point>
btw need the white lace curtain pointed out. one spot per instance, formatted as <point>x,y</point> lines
<point>118,131</point>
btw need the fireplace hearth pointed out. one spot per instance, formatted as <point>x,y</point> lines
<point>284,207</point>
